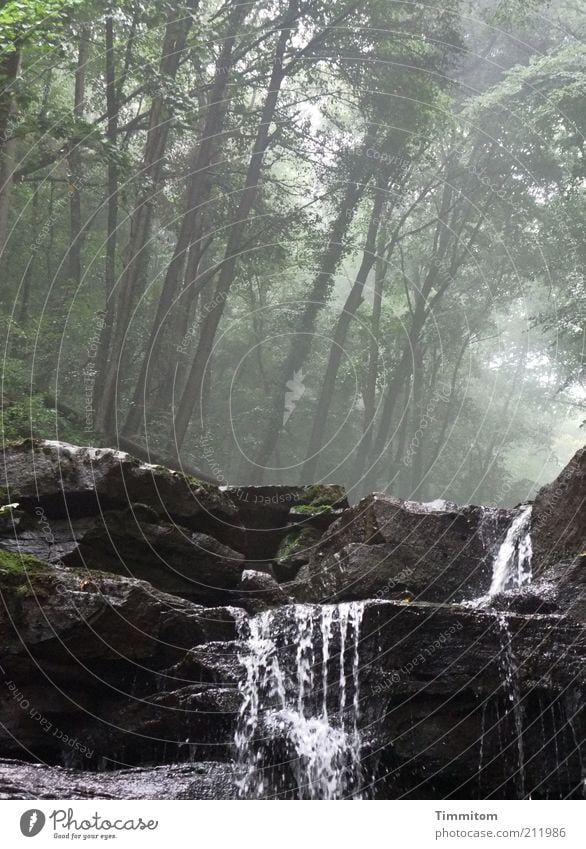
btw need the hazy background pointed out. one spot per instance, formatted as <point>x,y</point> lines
<point>287,241</point>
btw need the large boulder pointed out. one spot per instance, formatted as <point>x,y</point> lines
<point>135,543</point>
<point>385,546</point>
<point>268,512</point>
<point>558,526</point>
<point>80,650</point>
<point>66,481</point>
<point>173,559</point>
<point>260,591</point>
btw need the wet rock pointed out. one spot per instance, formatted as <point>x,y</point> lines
<point>173,559</point>
<point>559,516</point>
<point>564,584</point>
<point>263,588</point>
<point>383,546</point>
<point>211,663</point>
<point>191,722</point>
<point>74,654</point>
<point>452,692</point>
<point>100,669</point>
<point>267,511</point>
<point>49,541</point>
<point>207,780</point>
<point>295,551</point>
<point>66,481</point>
<point>319,506</point>
<point>129,542</point>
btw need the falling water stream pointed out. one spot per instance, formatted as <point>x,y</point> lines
<point>511,569</point>
<point>297,732</point>
<point>510,685</point>
<point>512,564</point>
<point>298,729</point>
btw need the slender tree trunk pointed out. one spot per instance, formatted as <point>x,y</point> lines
<point>133,278</point>
<point>28,274</point>
<point>404,368</point>
<point>416,483</point>
<point>198,193</point>
<point>396,478</point>
<point>112,98</point>
<point>488,456</point>
<point>449,405</point>
<point>75,168</point>
<point>191,395</point>
<point>353,301</point>
<point>363,448</point>
<point>300,347</point>
<point>9,72</point>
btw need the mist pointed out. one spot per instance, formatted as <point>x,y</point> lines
<point>292,243</point>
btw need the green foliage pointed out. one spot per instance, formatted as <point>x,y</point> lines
<point>23,20</point>
<point>25,412</point>
<point>474,108</point>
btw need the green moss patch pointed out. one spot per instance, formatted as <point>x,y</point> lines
<point>297,540</point>
<point>25,444</point>
<point>310,509</point>
<point>192,482</point>
<point>23,573</point>
<point>319,498</point>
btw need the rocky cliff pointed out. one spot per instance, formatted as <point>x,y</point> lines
<point>165,638</point>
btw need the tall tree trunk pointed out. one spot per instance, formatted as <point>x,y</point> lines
<point>300,347</point>
<point>112,99</point>
<point>75,168</point>
<point>396,477</point>
<point>449,402</point>
<point>28,274</point>
<point>197,194</point>
<point>348,313</point>
<point>133,279</point>
<point>416,483</point>
<point>193,387</point>
<point>404,367</point>
<point>9,71</point>
<point>369,395</point>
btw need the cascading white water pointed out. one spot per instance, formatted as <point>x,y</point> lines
<point>296,734</point>
<point>510,683</point>
<point>512,564</point>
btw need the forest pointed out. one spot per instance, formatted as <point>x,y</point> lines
<point>288,241</point>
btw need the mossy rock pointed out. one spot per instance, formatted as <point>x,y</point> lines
<point>319,498</point>
<point>296,543</point>
<point>312,509</point>
<point>25,444</point>
<point>23,573</point>
<point>191,481</point>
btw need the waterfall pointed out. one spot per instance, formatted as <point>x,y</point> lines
<point>512,564</point>
<point>510,684</point>
<point>297,731</point>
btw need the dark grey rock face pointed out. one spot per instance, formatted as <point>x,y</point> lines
<point>21,780</point>
<point>385,546</point>
<point>66,481</point>
<point>262,591</point>
<point>270,512</point>
<point>173,559</point>
<point>558,527</point>
<point>124,645</point>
